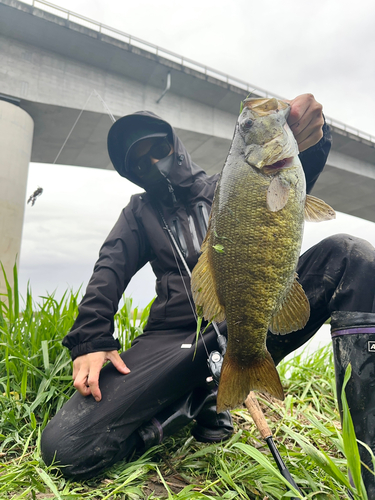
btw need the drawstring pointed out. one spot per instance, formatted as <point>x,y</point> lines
<point>171,191</point>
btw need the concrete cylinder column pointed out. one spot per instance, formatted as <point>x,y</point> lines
<point>16,135</point>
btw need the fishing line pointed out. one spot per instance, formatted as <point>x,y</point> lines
<point>221,339</point>
<point>94,92</point>
<point>176,247</point>
<point>71,130</point>
<point>183,282</point>
<point>105,106</point>
<point>187,293</point>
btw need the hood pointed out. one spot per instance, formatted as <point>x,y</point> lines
<point>128,130</point>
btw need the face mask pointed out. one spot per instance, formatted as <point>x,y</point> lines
<point>156,172</point>
<point>165,164</point>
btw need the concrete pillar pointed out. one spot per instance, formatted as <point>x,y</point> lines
<point>16,135</point>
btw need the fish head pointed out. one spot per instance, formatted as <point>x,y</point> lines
<point>269,144</point>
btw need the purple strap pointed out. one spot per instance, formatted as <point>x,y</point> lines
<point>353,331</point>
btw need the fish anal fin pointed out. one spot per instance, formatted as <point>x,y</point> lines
<point>317,210</point>
<point>203,288</point>
<point>277,194</point>
<point>237,381</point>
<point>293,313</point>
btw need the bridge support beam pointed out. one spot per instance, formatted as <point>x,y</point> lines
<point>16,135</point>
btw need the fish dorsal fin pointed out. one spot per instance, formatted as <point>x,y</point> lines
<point>277,194</point>
<point>317,210</point>
<point>203,288</point>
<point>293,313</point>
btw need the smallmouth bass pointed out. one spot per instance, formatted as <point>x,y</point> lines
<point>246,273</point>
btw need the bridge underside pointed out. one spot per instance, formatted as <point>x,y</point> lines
<point>86,146</point>
<point>347,192</point>
<point>344,189</point>
<point>49,65</point>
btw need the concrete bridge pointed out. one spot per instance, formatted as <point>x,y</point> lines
<point>64,78</point>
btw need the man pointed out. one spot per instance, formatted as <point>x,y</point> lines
<point>157,386</point>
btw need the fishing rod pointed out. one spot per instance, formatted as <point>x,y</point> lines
<point>257,415</point>
<point>215,361</point>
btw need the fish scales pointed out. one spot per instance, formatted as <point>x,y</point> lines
<point>253,236</point>
<point>246,272</point>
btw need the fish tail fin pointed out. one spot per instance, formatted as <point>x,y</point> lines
<point>236,381</point>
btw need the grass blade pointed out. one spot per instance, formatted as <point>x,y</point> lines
<point>48,482</point>
<point>45,356</point>
<point>350,440</point>
<point>264,462</point>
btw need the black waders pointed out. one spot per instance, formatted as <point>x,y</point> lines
<point>353,339</point>
<point>199,405</point>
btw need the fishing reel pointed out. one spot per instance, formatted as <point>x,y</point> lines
<point>215,360</point>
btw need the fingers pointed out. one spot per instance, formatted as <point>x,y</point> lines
<point>93,381</point>
<point>80,375</point>
<point>118,362</point>
<point>306,121</point>
<point>86,371</point>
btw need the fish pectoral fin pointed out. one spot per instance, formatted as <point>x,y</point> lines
<point>277,194</point>
<point>204,291</point>
<point>317,210</point>
<point>237,381</point>
<point>293,313</point>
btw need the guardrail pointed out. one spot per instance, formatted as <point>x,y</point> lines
<point>184,61</point>
<point>350,130</point>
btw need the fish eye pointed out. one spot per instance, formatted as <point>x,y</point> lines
<point>248,123</point>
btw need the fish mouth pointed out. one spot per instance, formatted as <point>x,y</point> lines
<point>279,165</point>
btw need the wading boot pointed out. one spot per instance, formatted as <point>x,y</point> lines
<point>353,339</point>
<point>200,404</point>
<point>212,427</point>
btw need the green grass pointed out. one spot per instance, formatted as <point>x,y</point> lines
<point>35,381</point>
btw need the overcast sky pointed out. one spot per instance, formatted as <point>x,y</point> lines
<point>288,47</point>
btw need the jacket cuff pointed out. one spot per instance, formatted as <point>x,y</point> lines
<point>314,159</point>
<point>95,346</point>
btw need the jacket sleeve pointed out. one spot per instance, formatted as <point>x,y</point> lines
<point>121,256</point>
<point>314,159</point>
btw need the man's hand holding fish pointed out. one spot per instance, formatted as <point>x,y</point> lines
<point>306,121</point>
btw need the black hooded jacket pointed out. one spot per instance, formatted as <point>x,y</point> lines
<point>138,237</point>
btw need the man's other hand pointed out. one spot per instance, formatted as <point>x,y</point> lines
<point>306,120</point>
<point>86,370</point>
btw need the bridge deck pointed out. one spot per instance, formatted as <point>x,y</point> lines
<point>51,64</point>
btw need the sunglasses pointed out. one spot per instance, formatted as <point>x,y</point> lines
<point>157,151</point>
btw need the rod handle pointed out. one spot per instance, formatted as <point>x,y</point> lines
<point>256,413</point>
